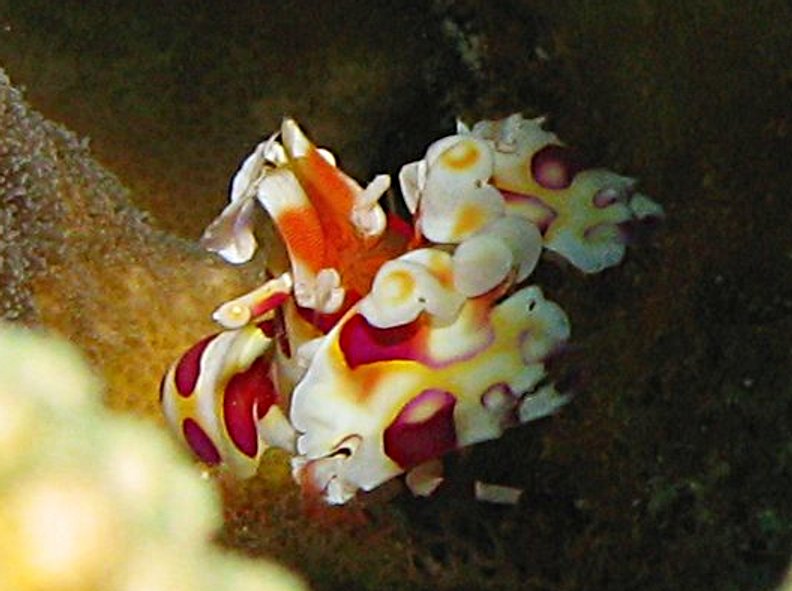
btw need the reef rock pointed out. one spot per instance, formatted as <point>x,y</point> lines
<point>77,257</point>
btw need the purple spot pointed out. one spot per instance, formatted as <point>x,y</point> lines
<point>423,430</point>
<point>248,396</point>
<point>363,343</point>
<point>501,401</point>
<point>189,367</point>
<point>531,207</point>
<point>554,167</point>
<point>606,197</point>
<point>200,443</point>
<point>607,232</point>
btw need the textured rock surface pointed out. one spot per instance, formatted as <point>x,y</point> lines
<point>77,257</point>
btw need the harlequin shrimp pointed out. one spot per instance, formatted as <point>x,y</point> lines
<point>378,345</point>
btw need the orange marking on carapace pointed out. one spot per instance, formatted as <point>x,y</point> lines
<point>331,194</point>
<point>302,233</point>
<point>368,379</point>
<point>327,188</point>
<point>358,267</point>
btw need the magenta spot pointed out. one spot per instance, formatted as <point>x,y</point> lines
<point>554,167</point>
<point>200,443</point>
<point>363,343</point>
<point>248,396</point>
<point>423,430</point>
<point>189,367</point>
<point>268,327</point>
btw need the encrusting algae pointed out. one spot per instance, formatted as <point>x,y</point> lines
<point>77,257</point>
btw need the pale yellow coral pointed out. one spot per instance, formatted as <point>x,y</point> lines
<point>93,500</point>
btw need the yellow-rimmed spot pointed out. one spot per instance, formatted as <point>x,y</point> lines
<point>398,285</point>
<point>469,219</point>
<point>463,155</point>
